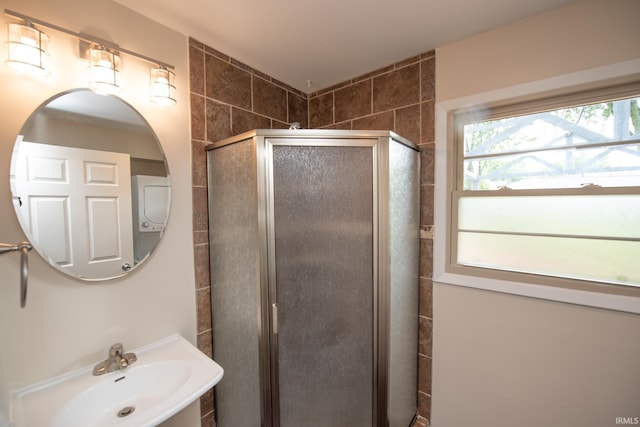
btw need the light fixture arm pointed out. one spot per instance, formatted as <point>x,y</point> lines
<point>87,37</point>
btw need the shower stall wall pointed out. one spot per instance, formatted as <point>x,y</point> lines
<point>314,240</point>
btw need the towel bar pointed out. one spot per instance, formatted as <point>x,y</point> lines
<point>24,248</point>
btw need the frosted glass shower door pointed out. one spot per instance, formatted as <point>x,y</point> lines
<point>235,296</point>
<point>323,215</point>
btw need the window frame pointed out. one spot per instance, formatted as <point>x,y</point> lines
<point>563,97</point>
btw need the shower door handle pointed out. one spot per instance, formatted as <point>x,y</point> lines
<point>274,318</point>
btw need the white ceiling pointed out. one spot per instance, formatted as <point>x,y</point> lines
<point>325,42</point>
<point>90,104</point>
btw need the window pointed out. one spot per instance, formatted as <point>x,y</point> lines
<point>549,189</point>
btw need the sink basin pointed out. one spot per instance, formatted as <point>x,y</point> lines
<point>169,375</point>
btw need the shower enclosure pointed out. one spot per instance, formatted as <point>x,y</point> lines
<point>314,239</point>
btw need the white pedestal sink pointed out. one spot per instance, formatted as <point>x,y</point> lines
<point>169,375</point>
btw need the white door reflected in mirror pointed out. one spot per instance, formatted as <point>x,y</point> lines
<point>76,203</point>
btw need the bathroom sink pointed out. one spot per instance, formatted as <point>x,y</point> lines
<point>119,398</point>
<point>169,375</point>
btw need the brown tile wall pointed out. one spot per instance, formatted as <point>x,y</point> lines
<point>399,97</point>
<point>228,98</point>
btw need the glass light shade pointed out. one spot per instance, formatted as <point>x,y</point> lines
<point>105,70</point>
<point>27,49</point>
<point>162,86</point>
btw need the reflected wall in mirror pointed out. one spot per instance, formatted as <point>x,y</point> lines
<point>90,185</point>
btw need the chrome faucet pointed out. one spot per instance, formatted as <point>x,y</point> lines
<point>116,361</point>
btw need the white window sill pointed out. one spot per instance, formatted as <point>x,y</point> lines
<point>570,296</point>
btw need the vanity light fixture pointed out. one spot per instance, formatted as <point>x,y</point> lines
<point>162,86</point>
<point>27,48</point>
<point>104,58</point>
<point>104,66</point>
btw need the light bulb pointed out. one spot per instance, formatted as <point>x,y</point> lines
<point>162,88</point>
<point>105,70</point>
<point>27,49</point>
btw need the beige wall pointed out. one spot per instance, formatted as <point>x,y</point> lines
<point>506,360</point>
<point>54,131</point>
<point>68,324</point>
<point>503,360</point>
<point>583,35</point>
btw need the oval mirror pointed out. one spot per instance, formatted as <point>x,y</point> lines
<point>90,185</point>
